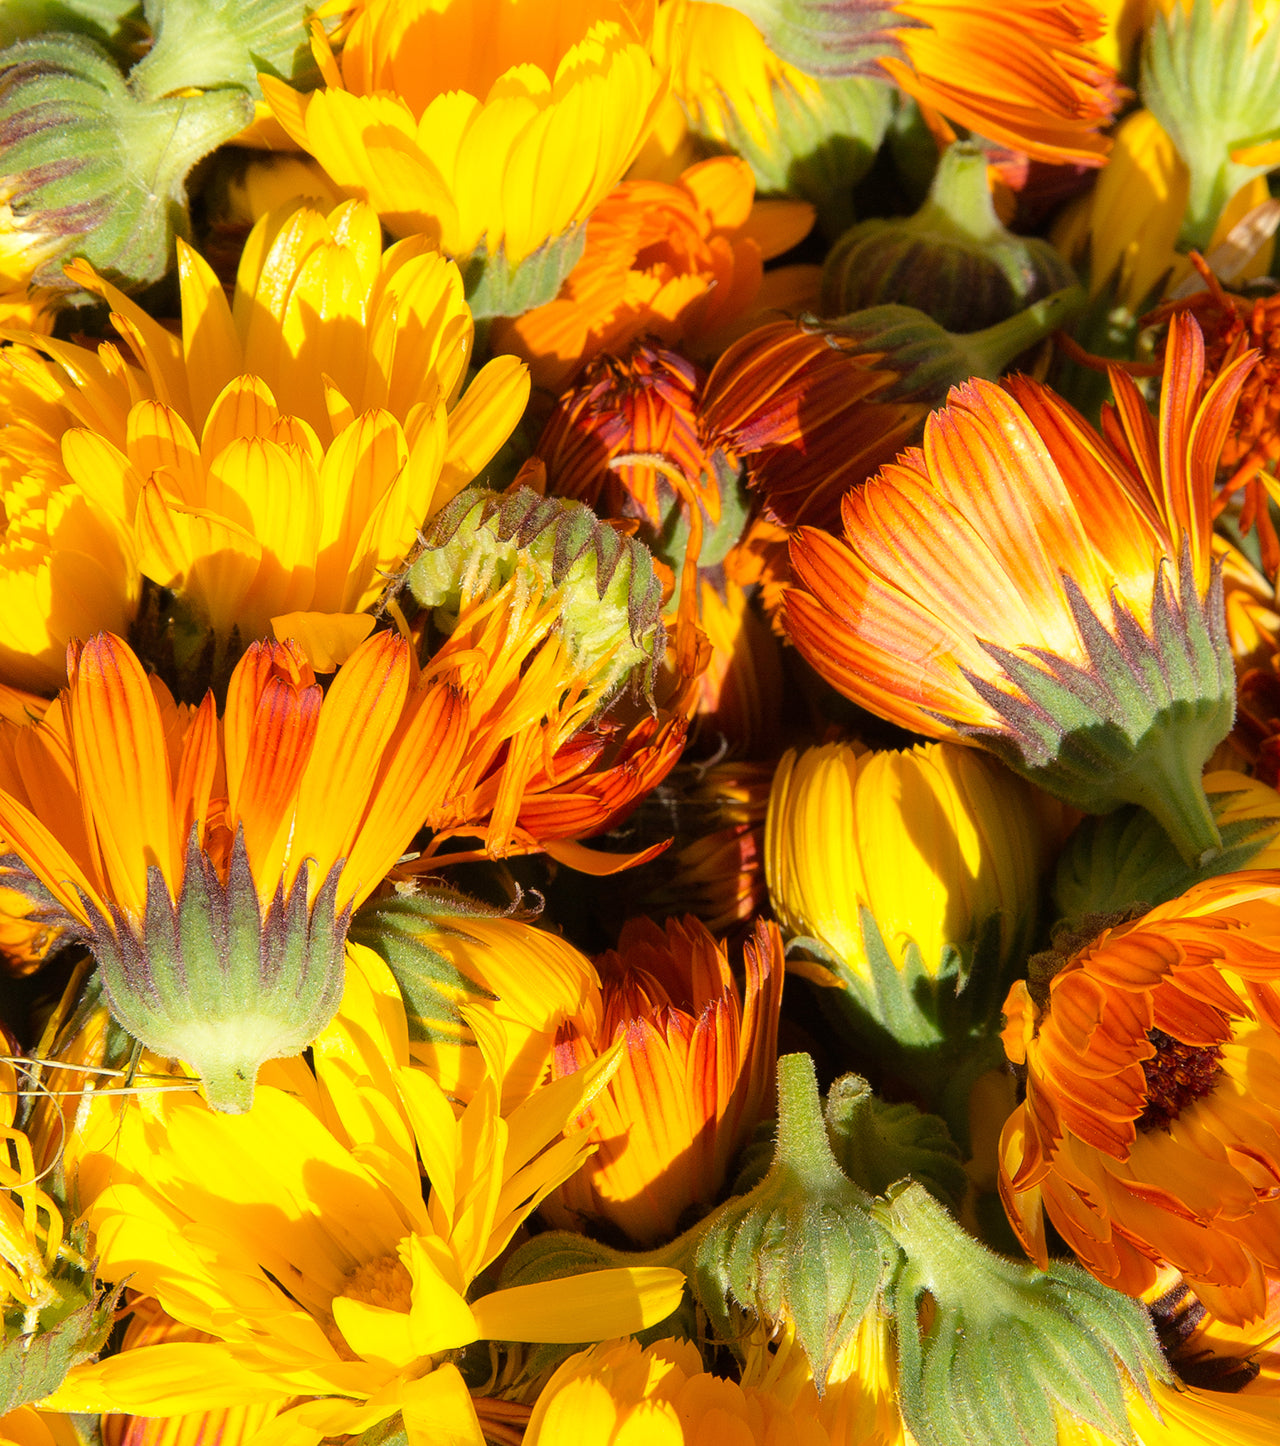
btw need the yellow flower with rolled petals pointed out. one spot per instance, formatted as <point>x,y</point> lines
<point>661,1395</point>
<point>309,1252</point>
<point>494,124</point>
<point>275,459</point>
<point>30,1221</point>
<point>29,1426</point>
<point>928,848</point>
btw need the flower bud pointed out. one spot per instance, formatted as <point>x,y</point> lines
<point>89,164</point>
<point>953,259</point>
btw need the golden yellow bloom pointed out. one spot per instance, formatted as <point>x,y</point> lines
<point>211,866</point>
<point>696,1075</point>
<point>1019,580</point>
<point>680,262</point>
<point>29,1426</point>
<point>907,858</point>
<point>617,1392</point>
<point>1149,1132</point>
<point>1126,229</point>
<point>30,1221</point>
<point>480,124</point>
<point>335,1293</point>
<point>274,459</point>
<point>450,955</point>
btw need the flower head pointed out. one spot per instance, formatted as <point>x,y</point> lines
<point>313,1259</point>
<point>1149,1134</point>
<point>482,124</point>
<point>677,262</point>
<point>596,1395</point>
<point>696,1074</point>
<point>1022,582</point>
<point>212,865</point>
<point>276,458</point>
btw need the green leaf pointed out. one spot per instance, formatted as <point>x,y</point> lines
<point>34,1365</point>
<point>494,288</point>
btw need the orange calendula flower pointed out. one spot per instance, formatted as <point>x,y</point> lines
<point>677,262</point>
<point>275,459</point>
<point>1150,1134</point>
<point>800,412</point>
<point>211,865</point>
<point>492,125</point>
<point>1023,583</point>
<point>696,1076</point>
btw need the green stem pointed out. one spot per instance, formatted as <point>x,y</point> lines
<point>993,348</point>
<point>1169,787</point>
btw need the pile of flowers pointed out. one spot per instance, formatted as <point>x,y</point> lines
<point>639,722</point>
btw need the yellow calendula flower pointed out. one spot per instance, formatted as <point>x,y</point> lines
<point>906,859</point>
<point>491,125</point>
<point>313,1260</point>
<point>618,1392</point>
<point>277,458</point>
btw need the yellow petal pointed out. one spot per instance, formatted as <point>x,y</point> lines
<point>594,1306</point>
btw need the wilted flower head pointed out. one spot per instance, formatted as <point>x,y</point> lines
<point>1149,1132</point>
<point>696,1075</point>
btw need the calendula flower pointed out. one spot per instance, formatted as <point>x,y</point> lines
<point>212,865</point>
<point>1148,1132</point>
<point>803,136</point>
<point>549,617</point>
<point>450,954</point>
<point>800,412</point>
<point>677,262</point>
<point>601,1397</point>
<point>1026,584</point>
<point>1124,233</point>
<point>625,440</point>
<point>484,127</point>
<point>914,877</point>
<point>276,458</point>
<point>914,859</point>
<point>31,1226</point>
<point>1024,76</point>
<point>1211,77</point>
<point>150,1326</point>
<point>316,1264</point>
<point>696,1075</point>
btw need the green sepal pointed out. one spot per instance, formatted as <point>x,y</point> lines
<point>1125,857</point>
<point>1004,1347</point>
<point>932,1029</point>
<point>610,617</point>
<point>819,143</point>
<point>929,359</point>
<point>209,44</point>
<point>38,1353</point>
<point>399,929</point>
<point>802,1246</point>
<point>96,168</point>
<point>829,40</point>
<point>391,1432</point>
<point>1214,92</point>
<point>100,20</point>
<point>953,259</point>
<point>218,981</point>
<point>495,288</point>
<point>877,1144</point>
<point>1136,724</point>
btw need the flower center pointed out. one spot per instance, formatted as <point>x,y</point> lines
<point>1177,1075</point>
<point>383,1282</point>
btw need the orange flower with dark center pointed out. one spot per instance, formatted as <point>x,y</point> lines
<point>696,1077</point>
<point>799,410</point>
<point>1150,1133</point>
